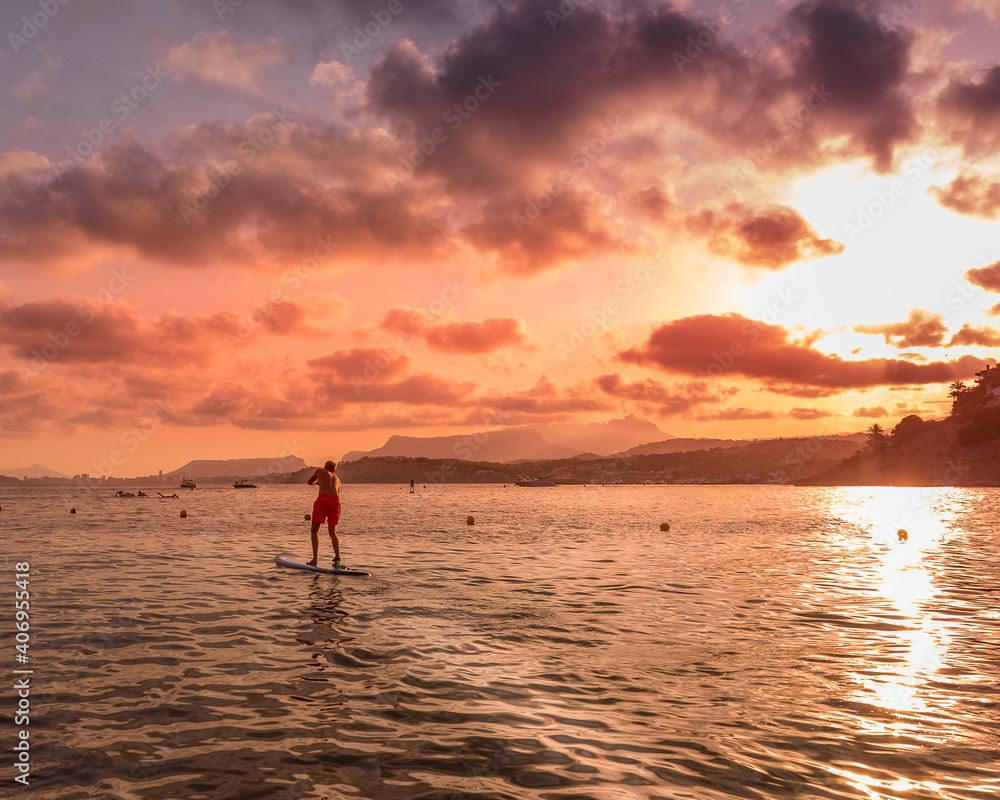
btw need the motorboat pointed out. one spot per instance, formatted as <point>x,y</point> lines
<point>535,482</point>
<point>245,484</point>
<point>187,483</point>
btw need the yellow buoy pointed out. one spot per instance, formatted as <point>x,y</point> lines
<point>664,526</point>
<point>470,521</point>
<point>184,514</point>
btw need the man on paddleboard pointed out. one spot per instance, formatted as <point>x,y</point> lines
<point>326,509</point>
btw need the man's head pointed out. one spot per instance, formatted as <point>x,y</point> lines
<point>330,466</point>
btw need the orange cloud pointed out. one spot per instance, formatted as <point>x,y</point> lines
<point>922,329</point>
<point>970,194</point>
<point>969,336</point>
<point>458,337</point>
<point>711,346</point>
<point>987,277</point>
<point>810,413</point>
<point>657,397</point>
<point>738,413</point>
<point>873,412</point>
<point>772,237</point>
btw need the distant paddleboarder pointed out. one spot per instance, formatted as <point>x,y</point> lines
<point>326,509</point>
<point>412,485</point>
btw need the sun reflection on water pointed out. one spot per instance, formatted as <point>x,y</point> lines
<point>905,528</point>
<point>909,524</point>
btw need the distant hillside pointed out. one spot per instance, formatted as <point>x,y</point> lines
<point>499,446</point>
<point>34,471</point>
<point>685,445</point>
<point>962,450</point>
<point>691,445</point>
<point>605,438</point>
<point>764,461</point>
<point>237,466</point>
<point>923,453</point>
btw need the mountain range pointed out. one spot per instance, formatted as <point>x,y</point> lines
<point>524,444</point>
<point>34,471</point>
<point>245,467</point>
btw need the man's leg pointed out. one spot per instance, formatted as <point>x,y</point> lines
<point>336,542</point>
<point>315,543</point>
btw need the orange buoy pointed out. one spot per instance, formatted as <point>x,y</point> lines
<point>664,526</point>
<point>184,514</point>
<point>902,535</point>
<point>72,511</point>
<point>308,517</point>
<point>470,521</point>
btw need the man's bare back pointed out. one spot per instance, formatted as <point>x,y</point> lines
<point>327,481</point>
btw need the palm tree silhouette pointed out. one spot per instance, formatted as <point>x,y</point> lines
<point>876,436</point>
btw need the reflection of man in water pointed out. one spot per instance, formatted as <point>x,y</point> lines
<point>326,509</point>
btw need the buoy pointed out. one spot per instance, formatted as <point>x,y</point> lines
<point>72,511</point>
<point>470,521</point>
<point>184,514</point>
<point>664,526</point>
<point>902,535</point>
<point>308,517</point>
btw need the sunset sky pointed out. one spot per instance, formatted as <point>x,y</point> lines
<point>256,228</point>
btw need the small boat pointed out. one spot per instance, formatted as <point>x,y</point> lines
<point>123,493</point>
<point>244,484</point>
<point>187,483</point>
<point>535,482</point>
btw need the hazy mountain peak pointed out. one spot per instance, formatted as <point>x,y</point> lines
<point>508,444</point>
<point>34,471</point>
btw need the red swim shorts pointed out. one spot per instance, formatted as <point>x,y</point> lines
<point>327,507</point>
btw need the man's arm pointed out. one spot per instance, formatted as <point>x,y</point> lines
<point>314,478</point>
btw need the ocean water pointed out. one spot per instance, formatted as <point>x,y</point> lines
<point>776,642</point>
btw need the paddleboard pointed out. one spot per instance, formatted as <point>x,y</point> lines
<point>297,562</point>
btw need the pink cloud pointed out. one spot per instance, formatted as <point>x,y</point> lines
<point>525,238</point>
<point>974,102</point>
<point>114,336</point>
<point>222,60</point>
